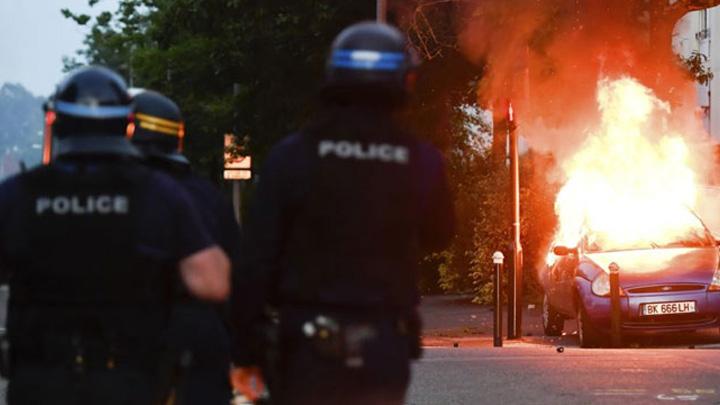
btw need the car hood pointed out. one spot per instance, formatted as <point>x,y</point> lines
<point>660,266</point>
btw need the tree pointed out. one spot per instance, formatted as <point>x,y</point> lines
<point>234,66</point>
<point>250,68</point>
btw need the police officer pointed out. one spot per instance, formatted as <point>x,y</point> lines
<point>199,333</point>
<point>345,210</point>
<point>92,242</point>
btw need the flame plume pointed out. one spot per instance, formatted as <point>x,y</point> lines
<point>631,182</point>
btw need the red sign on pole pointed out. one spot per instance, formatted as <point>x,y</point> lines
<point>237,167</point>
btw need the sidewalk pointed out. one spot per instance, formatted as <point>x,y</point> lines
<point>454,319</point>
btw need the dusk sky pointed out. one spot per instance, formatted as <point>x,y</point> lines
<point>34,36</point>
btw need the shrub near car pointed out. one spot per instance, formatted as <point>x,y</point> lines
<point>668,287</point>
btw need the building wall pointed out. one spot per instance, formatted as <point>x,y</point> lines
<point>699,31</point>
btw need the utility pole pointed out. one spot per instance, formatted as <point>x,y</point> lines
<point>710,81</point>
<point>515,283</point>
<point>382,11</point>
<point>237,184</point>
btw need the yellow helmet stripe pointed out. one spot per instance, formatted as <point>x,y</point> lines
<point>158,121</point>
<point>160,128</point>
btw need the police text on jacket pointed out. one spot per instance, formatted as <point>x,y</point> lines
<point>103,204</point>
<point>356,150</point>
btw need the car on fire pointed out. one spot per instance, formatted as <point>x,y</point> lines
<point>671,286</point>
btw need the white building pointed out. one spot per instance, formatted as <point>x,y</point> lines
<point>699,31</point>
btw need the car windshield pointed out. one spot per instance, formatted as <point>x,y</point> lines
<point>690,237</point>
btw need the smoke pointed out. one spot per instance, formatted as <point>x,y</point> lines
<point>549,55</point>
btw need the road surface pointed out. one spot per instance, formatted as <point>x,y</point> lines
<point>539,374</point>
<point>678,368</point>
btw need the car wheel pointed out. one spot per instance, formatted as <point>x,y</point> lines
<point>588,335</point>
<point>553,322</point>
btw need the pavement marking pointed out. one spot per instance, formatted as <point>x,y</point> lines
<point>692,391</point>
<point>634,370</point>
<point>686,394</point>
<point>702,363</point>
<point>620,392</point>
<point>677,394</point>
<point>665,397</point>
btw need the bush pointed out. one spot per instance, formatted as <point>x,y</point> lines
<point>481,182</point>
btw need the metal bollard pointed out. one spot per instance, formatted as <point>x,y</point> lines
<point>615,336</point>
<point>239,399</point>
<point>498,259</point>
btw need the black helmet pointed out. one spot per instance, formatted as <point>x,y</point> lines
<point>88,114</point>
<point>369,57</point>
<point>158,129</point>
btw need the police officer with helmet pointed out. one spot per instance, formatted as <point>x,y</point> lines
<point>199,332</point>
<point>345,210</point>
<point>92,244</point>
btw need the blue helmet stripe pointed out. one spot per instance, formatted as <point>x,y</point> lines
<point>368,60</point>
<point>100,112</point>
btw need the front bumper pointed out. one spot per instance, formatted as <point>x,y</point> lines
<point>707,315</point>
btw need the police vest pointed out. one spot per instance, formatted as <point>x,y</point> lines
<point>353,231</point>
<point>77,273</point>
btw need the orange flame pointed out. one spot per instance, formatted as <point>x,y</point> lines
<point>630,185</point>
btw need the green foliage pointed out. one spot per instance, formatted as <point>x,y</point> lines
<point>491,231</point>
<point>481,183</point>
<point>448,278</point>
<point>234,66</point>
<point>698,67</point>
<point>80,19</point>
<point>251,68</point>
<point>485,291</point>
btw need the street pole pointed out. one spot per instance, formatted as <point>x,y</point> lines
<point>498,259</point>
<point>516,281</point>
<point>237,200</point>
<point>381,10</point>
<point>236,184</point>
<point>616,338</point>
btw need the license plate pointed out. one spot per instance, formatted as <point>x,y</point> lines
<point>667,308</point>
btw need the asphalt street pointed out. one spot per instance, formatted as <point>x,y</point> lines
<point>531,373</point>
<point>460,366</point>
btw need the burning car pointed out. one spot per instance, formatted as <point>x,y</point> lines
<point>628,198</point>
<point>665,286</point>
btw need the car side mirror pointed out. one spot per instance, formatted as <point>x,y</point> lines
<point>564,251</point>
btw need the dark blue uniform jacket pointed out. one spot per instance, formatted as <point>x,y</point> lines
<point>202,327</point>
<point>90,248</point>
<point>344,212</point>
